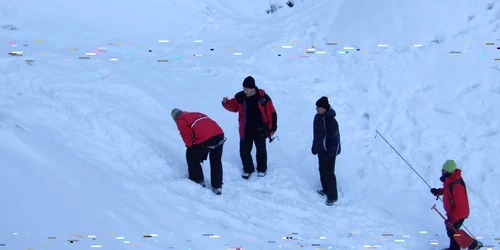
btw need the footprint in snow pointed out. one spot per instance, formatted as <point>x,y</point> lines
<point>468,89</point>
<point>442,111</point>
<point>426,88</point>
<point>491,132</point>
<point>366,121</point>
<point>21,128</point>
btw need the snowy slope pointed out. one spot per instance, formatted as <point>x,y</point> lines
<point>88,147</point>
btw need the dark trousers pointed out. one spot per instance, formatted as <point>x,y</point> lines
<point>327,175</point>
<point>196,154</point>
<point>246,145</point>
<point>453,244</point>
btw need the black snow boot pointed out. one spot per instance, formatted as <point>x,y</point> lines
<point>330,202</point>
<point>217,191</point>
<point>246,176</point>
<point>475,245</point>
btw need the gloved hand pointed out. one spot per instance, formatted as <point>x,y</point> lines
<point>313,152</point>
<point>435,191</point>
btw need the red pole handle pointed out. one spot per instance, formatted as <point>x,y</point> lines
<point>449,225</point>
<point>434,207</point>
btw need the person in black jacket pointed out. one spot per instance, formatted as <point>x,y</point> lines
<point>326,144</point>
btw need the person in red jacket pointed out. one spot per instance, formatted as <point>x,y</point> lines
<point>202,136</point>
<point>257,121</point>
<point>455,201</point>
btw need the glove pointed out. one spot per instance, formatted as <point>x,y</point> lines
<point>313,152</point>
<point>435,191</point>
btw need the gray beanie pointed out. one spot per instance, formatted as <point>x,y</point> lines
<point>175,113</point>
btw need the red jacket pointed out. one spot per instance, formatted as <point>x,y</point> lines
<point>456,202</point>
<point>266,107</point>
<point>195,128</point>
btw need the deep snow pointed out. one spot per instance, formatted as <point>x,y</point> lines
<point>88,147</point>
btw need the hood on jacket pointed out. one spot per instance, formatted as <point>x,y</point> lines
<point>457,174</point>
<point>447,178</point>
<point>329,113</point>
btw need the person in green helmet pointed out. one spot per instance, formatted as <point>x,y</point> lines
<point>455,201</point>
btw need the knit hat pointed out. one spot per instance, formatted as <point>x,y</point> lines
<point>249,82</point>
<point>323,102</point>
<point>175,113</point>
<point>449,166</point>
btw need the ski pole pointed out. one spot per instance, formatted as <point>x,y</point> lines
<point>402,158</point>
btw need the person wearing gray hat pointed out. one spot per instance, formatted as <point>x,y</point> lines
<point>203,137</point>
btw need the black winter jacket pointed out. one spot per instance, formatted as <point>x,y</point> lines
<point>326,136</point>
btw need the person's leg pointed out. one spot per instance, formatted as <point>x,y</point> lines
<point>321,163</point>
<point>453,243</point>
<point>216,171</point>
<point>193,157</point>
<point>261,154</point>
<point>246,146</point>
<point>332,184</point>
<point>329,177</point>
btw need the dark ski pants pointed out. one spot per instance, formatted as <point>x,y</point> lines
<point>327,175</point>
<point>196,154</point>
<point>453,243</point>
<point>246,145</point>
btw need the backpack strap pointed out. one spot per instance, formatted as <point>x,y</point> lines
<point>459,181</point>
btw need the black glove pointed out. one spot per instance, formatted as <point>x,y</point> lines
<point>313,152</point>
<point>435,191</point>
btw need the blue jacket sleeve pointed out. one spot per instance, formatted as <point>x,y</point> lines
<point>318,145</point>
<point>332,136</point>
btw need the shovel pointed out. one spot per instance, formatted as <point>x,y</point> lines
<point>461,237</point>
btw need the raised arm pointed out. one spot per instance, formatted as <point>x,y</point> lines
<point>230,104</point>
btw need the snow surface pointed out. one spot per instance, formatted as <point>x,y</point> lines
<point>88,147</point>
